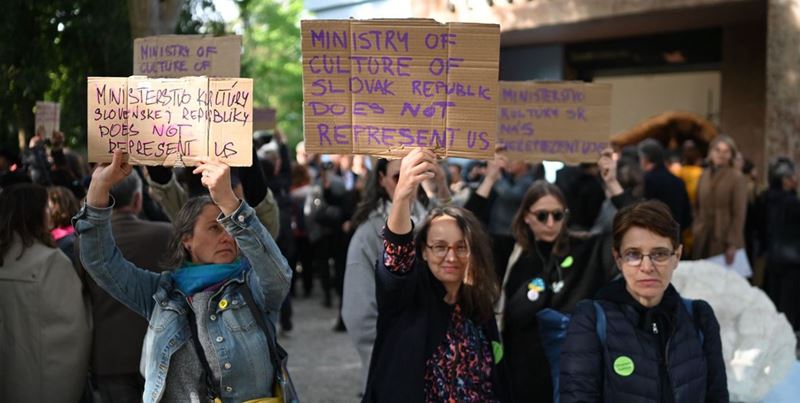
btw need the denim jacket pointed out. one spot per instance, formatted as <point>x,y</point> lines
<point>240,345</point>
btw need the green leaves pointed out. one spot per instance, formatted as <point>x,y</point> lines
<point>271,41</point>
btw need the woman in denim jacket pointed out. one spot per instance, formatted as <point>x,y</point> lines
<point>221,247</point>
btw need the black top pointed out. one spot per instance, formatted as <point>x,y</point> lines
<point>413,318</point>
<point>592,267</point>
<point>661,184</point>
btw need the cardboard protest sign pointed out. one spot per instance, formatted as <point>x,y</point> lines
<point>263,118</point>
<point>48,118</point>
<point>187,55</point>
<point>560,121</point>
<point>170,121</point>
<point>381,87</point>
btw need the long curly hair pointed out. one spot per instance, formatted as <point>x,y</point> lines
<point>480,289</point>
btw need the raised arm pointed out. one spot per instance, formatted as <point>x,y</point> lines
<point>99,254</point>
<point>271,275</point>
<point>417,166</point>
<point>394,277</point>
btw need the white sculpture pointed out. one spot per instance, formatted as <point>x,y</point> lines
<point>758,343</point>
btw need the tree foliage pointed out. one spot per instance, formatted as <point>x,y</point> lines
<point>48,50</point>
<point>50,47</point>
<point>271,57</point>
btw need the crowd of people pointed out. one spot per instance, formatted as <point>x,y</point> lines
<point>479,281</point>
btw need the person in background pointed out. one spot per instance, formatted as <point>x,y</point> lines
<point>502,189</point>
<point>325,211</point>
<point>303,255</point>
<point>721,204</point>
<point>353,186</point>
<point>359,306</point>
<point>273,155</point>
<point>62,205</point>
<point>778,234</point>
<point>45,323</point>
<point>437,339</point>
<point>118,331</point>
<point>639,338</point>
<point>661,184</point>
<point>202,341</point>
<point>691,169</point>
<point>584,196</point>
<point>550,269</point>
<point>49,163</point>
<point>690,173</point>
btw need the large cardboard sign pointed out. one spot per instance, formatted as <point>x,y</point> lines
<point>48,118</point>
<point>381,87</point>
<point>170,121</point>
<point>187,55</point>
<point>263,118</point>
<point>561,121</point>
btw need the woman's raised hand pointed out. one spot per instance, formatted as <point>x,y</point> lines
<point>106,176</point>
<point>608,171</point>
<point>416,166</point>
<point>216,176</point>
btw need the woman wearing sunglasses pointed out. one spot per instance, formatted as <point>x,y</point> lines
<point>639,340</point>
<point>548,272</point>
<point>437,340</point>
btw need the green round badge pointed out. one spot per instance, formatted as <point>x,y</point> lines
<point>623,366</point>
<point>567,263</point>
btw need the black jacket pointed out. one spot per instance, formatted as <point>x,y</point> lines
<point>661,184</point>
<point>412,322</point>
<point>669,362</point>
<point>592,267</point>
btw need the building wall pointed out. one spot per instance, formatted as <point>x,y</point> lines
<point>743,112</point>
<point>532,63</point>
<point>783,79</point>
<point>634,98</point>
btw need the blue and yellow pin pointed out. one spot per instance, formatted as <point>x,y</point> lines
<point>535,287</point>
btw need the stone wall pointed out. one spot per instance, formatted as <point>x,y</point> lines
<point>783,79</point>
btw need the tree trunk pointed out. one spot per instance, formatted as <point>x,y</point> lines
<point>153,17</point>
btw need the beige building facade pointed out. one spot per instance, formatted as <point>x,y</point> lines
<point>752,47</point>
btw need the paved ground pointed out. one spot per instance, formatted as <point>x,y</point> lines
<point>324,364</point>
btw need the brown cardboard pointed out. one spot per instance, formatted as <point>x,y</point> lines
<point>263,118</point>
<point>48,118</point>
<point>382,97</point>
<point>187,55</point>
<point>559,121</point>
<point>170,121</point>
<point>230,136</point>
<point>107,117</point>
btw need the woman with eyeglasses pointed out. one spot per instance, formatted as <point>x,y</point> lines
<point>549,271</point>
<point>437,340</point>
<point>639,340</point>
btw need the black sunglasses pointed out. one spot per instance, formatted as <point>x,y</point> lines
<point>541,215</point>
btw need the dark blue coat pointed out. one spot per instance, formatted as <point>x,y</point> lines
<point>669,362</point>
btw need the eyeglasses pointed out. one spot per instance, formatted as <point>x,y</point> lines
<point>541,215</point>
<point>441,249</point>
<point>658,257</point>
